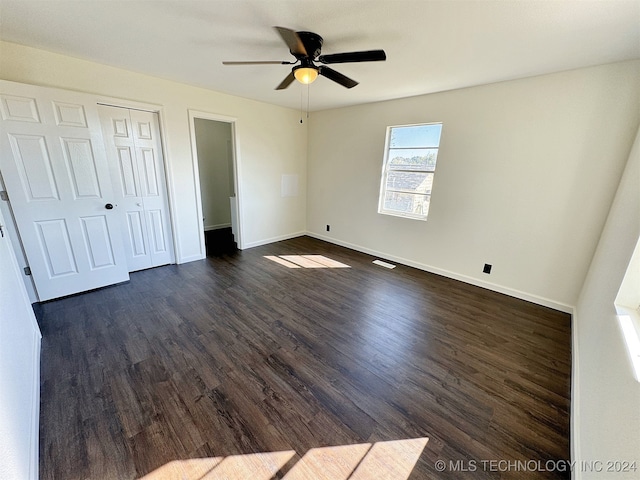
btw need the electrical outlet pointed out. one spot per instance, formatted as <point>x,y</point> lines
<point>487,268</point>
<point>328,228</point>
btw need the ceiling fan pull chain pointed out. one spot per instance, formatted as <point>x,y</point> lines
<point>300,105</point>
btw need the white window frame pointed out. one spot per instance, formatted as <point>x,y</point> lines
<point>386,170</point>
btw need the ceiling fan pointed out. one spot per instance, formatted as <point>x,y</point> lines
<point>306,47</point>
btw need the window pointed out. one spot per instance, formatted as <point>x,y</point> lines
<point>628,308</point>
<point>410,157</point>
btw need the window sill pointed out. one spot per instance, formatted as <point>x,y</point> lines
<point>403,215</point>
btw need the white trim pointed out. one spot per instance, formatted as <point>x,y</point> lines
<point>386,170</point>
<point>129,104</point>
<point>192,258</point>
<point>274,239</point>
<point>574,418</point>
<point>35,408</point>
<point>170,184</point>
<point>219,226</point>
<point>545,302</point>
<point>193,114</point>
<point>17,246</point>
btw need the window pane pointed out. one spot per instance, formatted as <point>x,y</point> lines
<point>409,167</point>
<point>407,203</point>
<point>416,136</point>
<point>418,182</point>
<point>413,159</point>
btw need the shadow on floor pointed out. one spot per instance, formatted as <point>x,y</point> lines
<point>220,242</point>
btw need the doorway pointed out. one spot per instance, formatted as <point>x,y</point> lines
<point>214,148</point>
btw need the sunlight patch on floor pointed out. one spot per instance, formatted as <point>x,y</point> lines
<point>393,460</point>
<point>256,466</point>
<point>329,462</point>
<point>281,261</point>
<point>306,261</point>
<point>390,460</point>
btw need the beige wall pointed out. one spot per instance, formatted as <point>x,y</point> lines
<point>270,141</point>
<point>606,396</point>
<point>526,173</point>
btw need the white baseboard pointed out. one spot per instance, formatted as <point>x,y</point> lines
<point>190,258</point>
<point>266,241</point>
<point>545,302</point>
<point>216,227</point>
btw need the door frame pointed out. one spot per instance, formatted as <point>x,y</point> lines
<point>16,240</point>
<point>235,154</point>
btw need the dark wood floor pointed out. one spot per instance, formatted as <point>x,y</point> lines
<point>237,354</point>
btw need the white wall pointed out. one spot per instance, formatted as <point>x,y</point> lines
<point>606,396</point>
<point>19,372</point>
<point>526,173</point>
<point>270,141</point>
<point>215,170</point>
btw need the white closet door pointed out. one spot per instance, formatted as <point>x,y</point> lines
<point>134,149</point>
<point>54,166</point>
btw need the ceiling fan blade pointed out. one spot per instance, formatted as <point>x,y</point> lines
<point>293,41</point>
<point>337,77</point>
<point>286,82</point>
<point>351,57</point>
<point>260,62</point>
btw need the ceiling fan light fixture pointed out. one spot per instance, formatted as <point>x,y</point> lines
<point>306,75</point>
<point>306,47</point>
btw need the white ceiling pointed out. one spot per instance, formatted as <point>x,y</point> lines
<point>431,46</point>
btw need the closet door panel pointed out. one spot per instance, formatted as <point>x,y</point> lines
<point>135,153</point>
<point>57,177</point>
<point>146,133</point>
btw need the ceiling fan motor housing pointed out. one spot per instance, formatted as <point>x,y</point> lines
<point>312,43</point>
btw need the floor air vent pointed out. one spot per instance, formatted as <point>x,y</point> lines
<point>384,264</point>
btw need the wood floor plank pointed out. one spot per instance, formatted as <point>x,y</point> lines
<point>237,355</point>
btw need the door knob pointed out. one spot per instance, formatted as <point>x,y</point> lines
<point>108,206</point>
